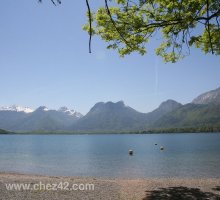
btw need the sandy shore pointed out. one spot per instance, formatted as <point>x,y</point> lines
<point>114,189</point>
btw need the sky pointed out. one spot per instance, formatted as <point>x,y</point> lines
<point>44,60</point>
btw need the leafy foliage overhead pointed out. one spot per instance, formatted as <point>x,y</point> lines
<point>129,25</point>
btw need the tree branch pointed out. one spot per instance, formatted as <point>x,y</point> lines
<point>90,26</point>
<point>208,26</point>
<point>209,17</point>
<point>113,22</point>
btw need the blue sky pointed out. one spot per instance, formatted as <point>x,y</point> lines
<point>44,60</point>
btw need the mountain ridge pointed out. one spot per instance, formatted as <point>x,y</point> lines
<point>41,118</point>
<point>212,96</point>
<point>204,110</point>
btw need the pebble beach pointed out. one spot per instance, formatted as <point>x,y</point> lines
<point>111,189</point>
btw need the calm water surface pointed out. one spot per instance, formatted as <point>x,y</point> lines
<point>185,155</point>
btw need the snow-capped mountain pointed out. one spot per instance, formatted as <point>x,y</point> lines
<point>62,109</point>
<point>16,109</point>
<point>109,116</point>
<point>42,108</point>
<point>69,112</point>
<point>42,118</point>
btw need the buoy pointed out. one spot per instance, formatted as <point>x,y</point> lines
<point>161,148</point>
<point>155,144</point>
<point>130,152</point>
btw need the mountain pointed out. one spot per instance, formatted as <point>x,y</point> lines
<point>11,115</point>
<point>164,108</point>
<point>212,96</point>
<point>102,117</point>
<point>16,118</point>
<point>70,112</point>
<point>191,115</point>
<point>16,109</point>
<point>4,131</point>
<point>204,111</point>
<point>111,116</point>
<point>118,116</point>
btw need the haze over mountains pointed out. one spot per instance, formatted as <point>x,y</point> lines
<point>203,111</point>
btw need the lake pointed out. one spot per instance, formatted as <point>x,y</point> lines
<point>184,155</point>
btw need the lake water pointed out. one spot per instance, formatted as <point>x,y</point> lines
<point>184,155</point>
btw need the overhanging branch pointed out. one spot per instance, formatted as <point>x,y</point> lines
<point>114,24</point>
<point>90,26</point>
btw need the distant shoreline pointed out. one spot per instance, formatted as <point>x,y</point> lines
<point>115,189</point>
<point>52,133</point>
<point>124,133</point>
<point>156,131</point>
